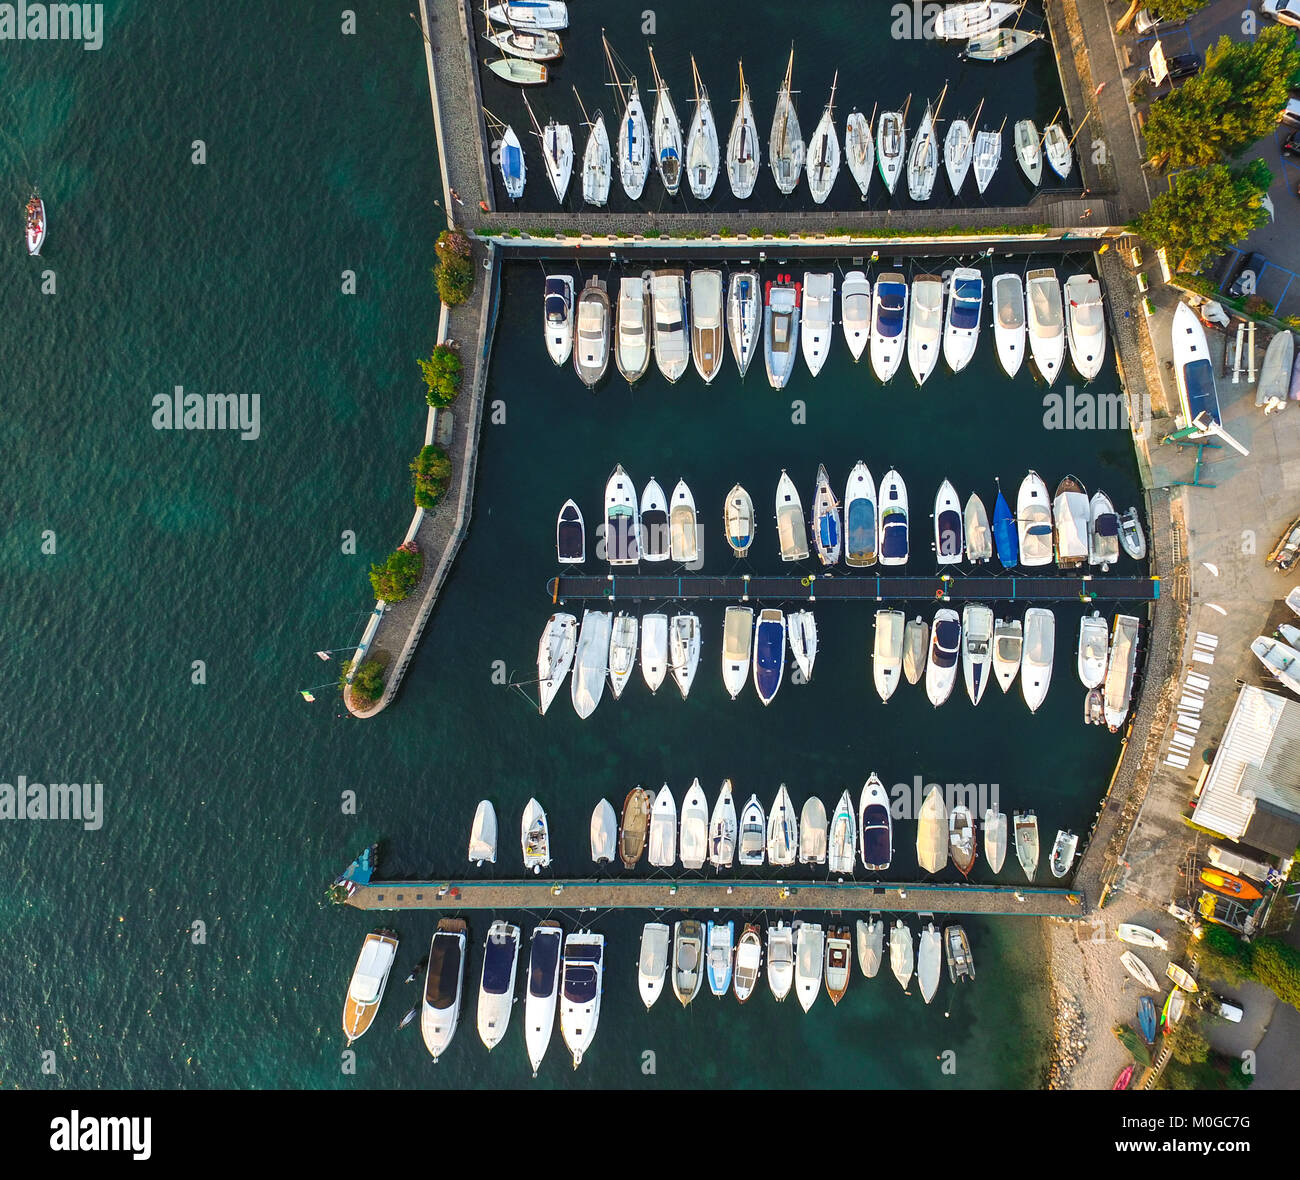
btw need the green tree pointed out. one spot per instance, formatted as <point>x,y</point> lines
<point>1277,967</point>
<point>1222,955</point>
<point>399,575</point>
<point>1186,1042</point>
<point>368,683</point>
<point>455,269</point>
<point>430,474</point>
<point>442,373</point>
<point>1205,211</point>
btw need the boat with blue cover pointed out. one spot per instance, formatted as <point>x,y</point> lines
<point>893,519</point>
<point>769,654</point>
<point>826,520</point>
<point>860,539</point>
<point>1193,368</point>
<point>876,825</point>
<point>1005,537</point>
<point>1147,1020</point>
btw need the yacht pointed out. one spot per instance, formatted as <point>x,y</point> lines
<point>622,523</point>
<point>702,143</point>
<point>957,148</point>
<point>653,964</point>
<point>818,325</point>
<point>708,339</point>
<point>557,317</point>
<point>1120,670</point>
<point>483,835</point>
<point>1036,655</point>
<point>859,151</point>
<point>671,338</point>
<point>596,158</point>
<point>738,520</point>
<point>443,983</point>
<point>587,685</point>
<point>634,830</point>
<point>752,844</point>
<point>1029,151</point>
<point>781,329</point>
<point>925,328</point>
<point>663,830</point>
<point>995,839</point>
<point>801,627</point>
<point>667,134</point>
<point>737,648</point>
<point>694,836</point>
<point>604,833</point>
<point>891,147</point>
<point>769,654</point>
<point>810,949</point>
<point>929,959</point>
<point>591,341</point>
<point>841,839</point>
<point>826,520</point>
<point>979,537</point>
<point>1193,370</point>
<point>632,338</point>
<point>785,148</point>
<point>932,833</point>
<point>961,333</point>
<point>961,838</point>
<point>570,535</point>
<point>780,960</point>
<point>1057,148</point>
<point>782,830</point>
<point>860,524</point>
<point>871,944</point>
<point>723,829</point>
<point>949,535</point>
<point>900,953</point>
<point>622,652</point>
<point>1009,322</point>
<point>743,148</point>
<point>812,832</point>
<point>1103,532</point>
<point>720,939</point>
<point>555,651</point>
<point>855,312</point>
<point>688,960</point>
<point>514,170</point>
<point>530,14</point>
<point>366,987</point>
<point>916,649</point>
<point>496,991</point>
<point>744,316</point>
<point>1070,518</point>
<point>1093,649</point>
<point>1034,521</point>
<point>876,823</point>
<point>790,528</point>
<point>1025,826</point>
<point>888,325</point>
<point>1008,639</point>
<point>887,654</point>
<point>683,526</point>
<point>1046,336</point>
<point>893,519</point>
<point>749,962</point>
<point>654,650</point>
<point>824,152</point>
<point>684,650</point>
<point>1085,325</point>
<point>535,838</point>
<point>987,157</point>
<point>582,981</point>
<point>1063,850</point>
<point>541,999</point>
<point>976,649</point>
<point>655,534</point>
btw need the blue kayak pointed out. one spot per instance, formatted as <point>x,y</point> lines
<point>1004,532</point>
<point>1147,1020</point>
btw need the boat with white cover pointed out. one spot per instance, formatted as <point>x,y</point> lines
<point>720,940</point>
<point>744,151</point>
<point>694,836</point>
<point>557,317</point>
<point>916,649</point>
<point>859,150</point>
<point>929,960</point>
<point>654,650</point>
<point>684,650</point>
<point>891,146</point>
<point>622,521</point>
<point>979,537</point>
<point>655,534</point>
<point>782,830</point>
<point>812,832</point>
<point>893,519</point>
<point>535,837</point>
<point>875,826</point>
<point>888,325</point>
<point>1085,325</point>
<point>744,316</point>
<point>587,685</point>
<point>1070,522</point>
<point>1046,332</point>
<point>1275,373</point>
<point>1025,827</point>
<point>976,649</point>
<point>672,344</point>
<point>652,965</point>
<point>555,652</point>
<point>817,327</point>
<point>443,984</point>
<point>824,151</point>
<point>483,835</point>
<point>702,143</point>
<point>826,520</point>
<point>781,330</point>
<point>790,528</point>
<point>1029,150</point>
<point>738,520</point>
<point>737,648</point>
<point>1103,531</point>
<point>961,332</point>
<point>683,526</point>
<point>785,147</point>
<point>860,522</point>
<point>1036,655</point>
<point>901,954</point>
<point>841,837</point>
<point>925,326</point>
<point>1008,639</point>
<point>751,844</point>
<point>581,983</point>
<point>1009,322</point>
<point>871,945</point>
<point>1094,644</point>
<point>723,829</point>
<point>949,528</point>
<point>542,995</point>
<point>810,949</point>
<point>801,628</point>
<point>688,960</point>
<point>749,962</point>
<point>662,850</point>
<point>932,832</point>
<point>855,312</point>
<point>604,833</point>
<point>995,839</point>
<point>1034,521</point>
<point>708,334</point>
<point>622,652</point>
<point>780,960</point>
<point>632,335</point>
<point>369,979</point>
<point>887,652</point>
<point>496,991</point>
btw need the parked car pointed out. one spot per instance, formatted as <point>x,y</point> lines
<point>1236,277</point>
<point>1228,1009</point>
<point>1285,12</point>
<point>1290,113</point>
<point>1291,145</point>
<point>1145,21</point>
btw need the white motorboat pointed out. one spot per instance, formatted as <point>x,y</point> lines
<point>720,941</point>
<point>654,650</point>
<point>542,995</point>
<point>979,537</point>
<point>812,832</point>
<point>738,520</point>
<point>684,650</point>
<point>871,945</point>
<point>557,155</point>
<point>887,653</point>
<point>1094,642</point>
<point>781,330</point>
<point>530,14</point>
<point>916,649</point>
<point>976,649</point>
<point>570,535</point>
<point>581,984</point>
<point>597,158</point>
<point>751,845</point>
<point>702,143</point>
<point>483,835</point>
<point>369,979</point>
<point>1280,659</point>
<point>791,530</point>
<point>901,953</point>
<point>555,652</point>
<point>1063,850</point>
<point>622,521</point>
<point>810,949</point>
<point>995,839</point>
<point>656,544</point>
<point>1193,369</point>
<point>1103,532</point>
<point>801,627</point>
<point>888,325</point>
<point>841,837</point>
<point>557,317</point>
<point>987,157</point>
<point>780,960</point>
<point>782,830</point>
<point>694,835</point>
<point>667,134</point>
<point>749,962</point>
<point>622,652</point>
<point>1025,826</point>
<point>855,312</point>
<point>443,983</point>
<point>949,529</point>
<point>824,152</point>
<point>723,829</point>
<point>859,151</point>
<point>932,833</point>
<point>1009,322</point>
<point>632,336</point>
<point>535,837</point>
<point>744,316</point>
<point>929,961</point>
<point>519,71</point>
<point>961,332</point>
<point>957,149</point>
<point>923,159</point>
<point>1070,523</point>
<point>826,523</point>
<point>1008,639</point>
<point>672,342</point>
<point>860,518</point>
<point>875,826</point>
<point>1085,324</point>
<point>961,964</point>
<point>945,644</point>
<point>999,44</point>
<point>652,965</point>
<point>957,22</point>
<point>592,659</point>
<point>496,989</point>
<point>737,648</point>
<point>891,147</point>
<point>688,960</point>
<point>1034,521</point>
<point>1056,146</point>
<point>961,838</point>
<point>817,328</point>
<point>514,169</point>
<point>1140,936</point>
<point>1120,670</point>
<point>604,833</point>
<point>785,147</point>
<point>708,333</point>
<point>1036,655</point>
<point>1046,334</point>
<point>893,519</point>
<point>1029,150</point>
<point>683,526</point>
<point>925,326</point>
<point>591,339</point>
<point>662,849</point>
<point>743,148</point>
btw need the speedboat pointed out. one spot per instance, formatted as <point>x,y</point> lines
<point>591,340</point>
<point>893,519</point>
<point>534,837</point>
<point>824,152</point>
<point>957,147</point>
<point>961,333</point>
<point>743,147</point>
<point>655,534</point>
<point>932,833</point>
<point>790,528</point>
<point>925,329</point>
<point>817,327</point>
<point>369,978</point>
<point>1093,649</point>
<point>826,520</point>
<point>749,961</point>
<point>987,157</point>
<point>483,834</point>
<point>592,659</point>
<point>999,44</point>
<point>1034,521</point>
<point>514,171</point>
<point>1139,970</point>
<point>860,536</point>
<point>720,941</point>
<point>1281,660</point>
<point>1005,537</point>
<point>891,147</point>
<point>929,960</point>
<point>839,962</point>
<point>684,650</point>
<point>945,643</point>
<point>1046,338</point>
<point>35,224</point>
<point>654,650</point>
<point>737,648</point>
<point>702,143</point>
<point>1193,369</point>
<point>976,648</point>
<point>555,651</point>
<point>570,535</point>
<point>632,338</point>
<point>855,312</point>
<point>916,648</point>
<point>901,958</point>
<point>887,653</point>
<point>782,830</point>
<point>662,852</point>
<point>1070,520</point>
<point>876,825</point>
<point>622,525</point>
<point>635,828</point>
<point>443,982</point>
<point>960,962</point>
<point>1140,936</point>
<point>557,155</point>
<point>653,963</point>
<point>959,21</point>
<point>708,336</point>
<point>810,948</point>
<point>1029,151</point>
<point>812,832</point>
<point>582,981</point>
<point>785,147</point>
<point>530,14</point>
<point>1036,655</point>
<point>949,538</point>
<point>683,526</point>
<point>995,839</point>
<point>979,537</point>
<point>780,960</point>
<point>557,317</point>
<point>1085,325</point>
<point>744,316</point>
<point>1063,852</point>
<point>1009,322</point>
<point>622,652</point>
<point>841,839</point>
<point>752,843</point>
<point>633,142</point>
<point>688,960</point>
<point>1008,639</point>
<point>596,171</point>
<point>1057,148</point>
<point>671,339</point>
<point>961,838</point>
<point>604,833</point>
<point>667,134</point>
<point>781,330</point>
<point>888,325</point>
<point>801,627</point>
<point>738,520</point>
<point>542,996</point>
<point>871,945</point>
<point>923,159</point>
<point>1103,532</point>
<point>859,150</point>
<point>496,990</point>
<point>694,835</point>
<point>723,829</point>
<point>1025,825</point>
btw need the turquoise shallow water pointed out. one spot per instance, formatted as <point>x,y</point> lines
<point>224,799</point>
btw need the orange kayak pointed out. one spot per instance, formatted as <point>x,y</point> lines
<point>1230,884</point>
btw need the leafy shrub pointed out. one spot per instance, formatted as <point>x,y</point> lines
<point>430,474</point>
<point>368,683</point>
<point>455,270</point>
<point>442,373</point>
<point>399,575</point>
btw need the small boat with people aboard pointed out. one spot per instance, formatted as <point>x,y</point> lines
<point>36,225</point>
<point>534,837</point>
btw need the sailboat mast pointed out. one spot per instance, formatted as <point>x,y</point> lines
<point>695,74</point>
<point>1078,129</point>
<point>975,118</point>
<point>585,120</point>
<point>654,69</point>
<point>906,105</point>
<point>613,73</point>
<point>537,131</point>
<point>785,89</point>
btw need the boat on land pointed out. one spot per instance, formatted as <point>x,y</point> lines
<point>667,133</point>
<point>782,830</point>
<point>557,317</point>
<point>1025,826</point>
<point>841,839</point>
<point>683,526</point>
<point>684,650</point>
<point>652,965</point>
<point>1094,644</point>
<point>708,333</point>
<point>979,537</point>
<point>1056,146</point>
<point>1071,523</point>
<point>1181,977</point>
<point>876,824</point>
<point>916,647</point>
<point>888,325</point>
<point>632,332</point>
<point>781,329</point>
<point>824,151</point>
<point>1036,656</point>
<point>694,844</point>
<point>961,838</point>
<point>945,646</point>
<point>591,338</point>
<point>1009,322</point>
<point>810,952</point>
<point>1230,884</point>
<point>949,534</point>
<point>995,839</point>
<point>720,941</point>
<point>790,528</point>
<point>582,981</point>
<point>737,648</point>
<point>812,832</point>
<point>1034,521</point>
<point>999,44</point>
<point>688,960</point>
<point>860,523</point>
<point>839,962</point>
<point>1275,372</point>
<point>893,519</point>
<point>1193,369</point>
<point>751,846</point>
<point>514,171</point>
<point>1008,640</point>
<point>635,827</point>
<point>744,316</point>
<point>1292,598</point>
<point>1172,1012</point>
<point>929,959</point>
<point>826,520</point>
<point>749,962</point>
<point>483,835</point>
<point>496,991</point>
<point>855,312</point>
<point>443,984</point>
<point>597,173</point>
<point>801,628</point>
<point>662,852</point>
<point>35,224</point>
<point>1029,151</point>
<point>961,965</point>
<point>780,960</point>
<point>1281,659</point>
<point>785,148</point>
<point>976,649</point>
<point>702,143</point>
<point>622,522</point>
<point>1005,538</point>
<point>923,159</point>
<point>859,150</point>
<point>1063,850</point>
<point>1140,936</point>
<point>744,150</point>
<point>522,72</point>
<point>891,145</point>
<point>925,327</point>
<point>1147,1020</point>
<point>1046,334</point>
<point>1085,325</point>
<point>1103,532</point>
<point>961,333</point>
<point>959,21</point>
<point>369,978</point>
<point>871,944</point>
<point>738,520</point>
<point>534,837</point>
<point>622,652</point>
<point>530,14</point>
<point>604,833</point>
<point>723,829</point>
<point>1120,670</point>
<point>987,156</point>
<point>672,345</point>
<point>932,833</point>
<point>570,535</point>
<point>654,650</point>
<point>555,652</point>
<point>818,326</point>
<point>887,654</point>
<point>542,996</point>
<point>901,955</point>
<point>655,533</point>
<point>587,684</point>
<point>769,654</point>
<point>957,148</point>
<point>1139,970</point>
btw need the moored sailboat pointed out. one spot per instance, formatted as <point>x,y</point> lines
<point>667,134</point>
<point>841,839</point>
<point>801,628</point>
<point>743,148</point>
<point>702,143</point>
<point>1029,150</point>
<point>684,650</point>
<point>891,145</point>
<point>826,520</point>
<point>824,152</point>
<point>859,150</point>
<point>555,652</point>
<point>723,829</point>
<point>782,830</point>
<point>785,147</point>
